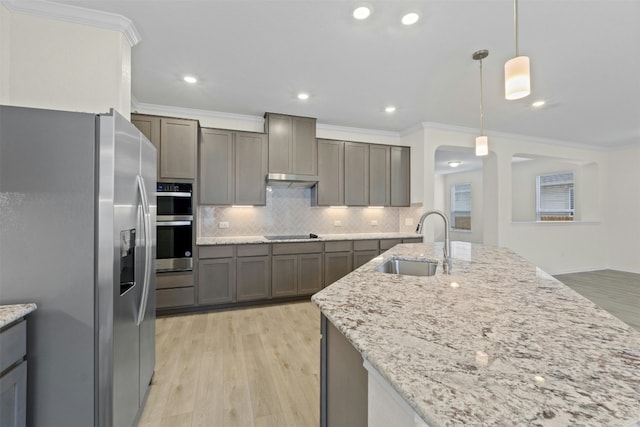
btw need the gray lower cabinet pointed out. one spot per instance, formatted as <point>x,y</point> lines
<point>296,269</point>
<point>310,273</point>
<point>360,258</point>
<point>412,240</point>
<point>400,176</point>
<point>336,266</point>
<point>330,188</point>
<point>356,174</point>
<point>216,280</point>
<point>13,380</point>
<point>284,275</point>
<point>343,380</point>
<point>253,277</point>
<point>232,168</point>
<point>379,175</point>
<point>174,290</point>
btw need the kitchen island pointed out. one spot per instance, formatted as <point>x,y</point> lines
<point>497,342</point>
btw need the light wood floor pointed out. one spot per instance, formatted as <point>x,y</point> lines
<point>254,367</point>
<point>617,292</point>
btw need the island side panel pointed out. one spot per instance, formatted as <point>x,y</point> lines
<point>344,381</point>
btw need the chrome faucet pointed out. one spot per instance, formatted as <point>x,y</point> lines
<point>446,262</point>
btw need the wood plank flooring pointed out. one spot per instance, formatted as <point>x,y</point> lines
<point>618,292</point>
<point>254,367</point>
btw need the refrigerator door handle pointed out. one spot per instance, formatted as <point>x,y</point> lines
<point>148,247</point>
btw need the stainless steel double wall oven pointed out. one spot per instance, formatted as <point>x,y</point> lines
<point>174,227</point>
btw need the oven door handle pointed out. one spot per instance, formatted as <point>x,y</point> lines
<point>172,194</point>
<point>171,223</point>
<point>148,245</point>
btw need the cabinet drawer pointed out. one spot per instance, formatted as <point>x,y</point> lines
<point>338,246</point>
<point>253,250</point>
<point>177,297</point>
<point>389,243</point>
<point>297,248</point>
<point>412,240</point>
<point>365,245</point>
<point>13,344</point>
<point>215,251</point>
<point>174,280</point>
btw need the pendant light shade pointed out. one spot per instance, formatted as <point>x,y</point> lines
<point>517,77</point>
<point>482,145</point>
<point>482,142</point>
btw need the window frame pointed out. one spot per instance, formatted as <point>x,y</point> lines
<point>452,199</point>
<point>568,213</point>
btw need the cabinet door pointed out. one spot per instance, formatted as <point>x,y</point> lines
<point>253,278</point>
<point>216,167</point>
<point>150,127</point>
<point>280,141</point>
<point>250,169</point>
<point>284,275</point>
<point>362,257</point>
<point>216,278</point>
<point>379,175</point>
<point>400,176</point>
<point>356,174</point>
<point>305,146</point>
<point>336,266</point>
<point>178,140</point>
<point>13,397</point>
<point>330,188</point>
<point>309,273</point>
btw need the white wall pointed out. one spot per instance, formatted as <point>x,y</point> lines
<point>53,64</point>
<point>624,216</point>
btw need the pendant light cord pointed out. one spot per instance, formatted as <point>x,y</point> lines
<point>515,23</point>
<point>481,103</point>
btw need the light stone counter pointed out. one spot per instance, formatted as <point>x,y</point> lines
<point>507,344</point>
<point>13,312</point>
<point>240,240</point>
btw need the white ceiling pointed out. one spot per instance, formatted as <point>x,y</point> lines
<point>253,56</point>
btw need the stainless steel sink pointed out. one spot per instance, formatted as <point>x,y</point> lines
<point>409,267</point>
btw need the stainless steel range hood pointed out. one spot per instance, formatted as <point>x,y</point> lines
<point>291,180</point>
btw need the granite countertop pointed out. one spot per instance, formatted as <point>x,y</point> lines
<point>241,240</point>
<point>13,312</point>
<point>497,342</point>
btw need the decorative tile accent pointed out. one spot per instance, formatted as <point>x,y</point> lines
<point>289,211</point>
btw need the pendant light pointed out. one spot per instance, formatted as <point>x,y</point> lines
<point>482,142</point>
<point>517,78</point>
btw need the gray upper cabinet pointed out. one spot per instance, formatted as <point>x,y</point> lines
<point>250,168</point>
<point>293,147</point>
<point>178,140</point>
<point>330,188</point>
<point>379,175</point>
<point>233,166</point>
<point>356,174</point>
<point>400,176</point>
<point>176,143</point>
<point>216,167</point>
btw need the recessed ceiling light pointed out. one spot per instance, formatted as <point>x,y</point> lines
<point>538,104</point>
<point>390,109</point>
<point>410,18</point>
<point>190,79</point>
<point>362,12</point>
<point>303,96</point>
<point>454,163</point>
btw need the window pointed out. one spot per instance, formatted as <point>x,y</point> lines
<point>461,207</point>
<point>554,197</point>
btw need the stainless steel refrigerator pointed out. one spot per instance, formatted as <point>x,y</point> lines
<point>77,237</point>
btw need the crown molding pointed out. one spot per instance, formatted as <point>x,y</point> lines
<point>194,113</point>
<point>375,132</point>
<point>76,15</point>
<point>520,137</point>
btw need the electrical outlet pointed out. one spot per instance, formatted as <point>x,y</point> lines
<point>374,222</point>
<point>223,224</point>
<point>337,223</point>
<point>408,221</point>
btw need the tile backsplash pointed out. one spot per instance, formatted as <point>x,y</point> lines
<point>289,211</point>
